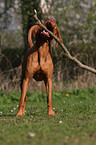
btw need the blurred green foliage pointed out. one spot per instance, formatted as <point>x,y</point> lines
<point>76,21</point>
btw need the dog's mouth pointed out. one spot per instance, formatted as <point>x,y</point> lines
<point>50,26</point>
<point>45,33</point>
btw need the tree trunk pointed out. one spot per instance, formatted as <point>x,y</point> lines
<point>27,8</point>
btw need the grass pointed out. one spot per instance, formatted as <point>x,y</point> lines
<point>74,123</point>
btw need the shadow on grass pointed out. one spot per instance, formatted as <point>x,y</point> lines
<point>30,112</point>
<point>8,115</point>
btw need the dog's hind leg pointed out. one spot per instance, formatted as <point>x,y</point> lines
<point>22,104</point>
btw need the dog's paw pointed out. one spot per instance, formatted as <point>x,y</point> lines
<point>51,113</point>
<point>20,113</point>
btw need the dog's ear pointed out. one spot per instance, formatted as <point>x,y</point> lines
<point>59,36</point>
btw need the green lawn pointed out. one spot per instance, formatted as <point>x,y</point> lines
<point>74,123</point>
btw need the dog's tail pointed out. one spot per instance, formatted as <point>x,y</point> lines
<point>33,30</point>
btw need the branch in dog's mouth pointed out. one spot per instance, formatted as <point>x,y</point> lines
<point>49,27</point>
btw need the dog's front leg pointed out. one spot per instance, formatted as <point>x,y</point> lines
<point>22,104</point>
<point>50,108</point>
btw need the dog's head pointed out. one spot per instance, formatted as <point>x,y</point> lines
<point>51,26</point>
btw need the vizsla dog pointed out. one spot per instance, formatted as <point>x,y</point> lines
<point>38,63</point>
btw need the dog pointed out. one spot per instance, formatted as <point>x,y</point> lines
<point>37,63</point>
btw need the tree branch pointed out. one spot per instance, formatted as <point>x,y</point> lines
<point>66,52</point>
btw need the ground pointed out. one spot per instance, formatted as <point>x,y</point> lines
<point>74,123</point>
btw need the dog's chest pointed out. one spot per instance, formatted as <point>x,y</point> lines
<point>43,50</point>
<point>42,53</point>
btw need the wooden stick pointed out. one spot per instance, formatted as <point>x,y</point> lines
<point>66,52</point>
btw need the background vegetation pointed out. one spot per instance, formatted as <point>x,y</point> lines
<point>76,21</point>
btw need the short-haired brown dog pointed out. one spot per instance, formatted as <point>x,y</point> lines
<point>37,63</point>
